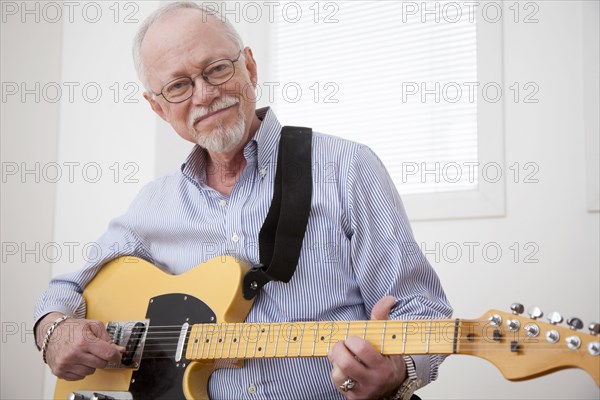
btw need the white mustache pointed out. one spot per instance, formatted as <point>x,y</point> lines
<point>219,104</point>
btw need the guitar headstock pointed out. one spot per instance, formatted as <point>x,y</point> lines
<point>527,347</point>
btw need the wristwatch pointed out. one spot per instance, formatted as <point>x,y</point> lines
<point>410,384</point>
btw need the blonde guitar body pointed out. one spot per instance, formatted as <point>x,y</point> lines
<point>122,291</point>
<point>176,328</point>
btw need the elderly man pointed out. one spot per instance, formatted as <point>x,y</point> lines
<point>354,264</point>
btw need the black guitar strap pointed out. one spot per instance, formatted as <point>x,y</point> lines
<point>280,238</point>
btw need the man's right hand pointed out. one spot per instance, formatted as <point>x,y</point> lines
<point>77,347</point>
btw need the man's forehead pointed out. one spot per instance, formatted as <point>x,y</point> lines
<point>185,35</point>
<point>181,25</point>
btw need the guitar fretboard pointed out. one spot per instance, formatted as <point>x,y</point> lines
<point>315,339</point>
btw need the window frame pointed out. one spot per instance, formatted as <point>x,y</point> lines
<point>489,199</point>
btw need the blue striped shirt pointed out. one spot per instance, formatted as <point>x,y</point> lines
<point>358,248</point>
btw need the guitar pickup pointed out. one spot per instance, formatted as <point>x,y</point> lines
<point>100,395</point>
<point>132,336</point>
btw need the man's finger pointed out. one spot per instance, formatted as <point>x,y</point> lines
<point>381,310</point>
<point>108,352</point>
<point>366,353</point>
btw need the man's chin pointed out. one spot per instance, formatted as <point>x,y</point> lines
<point>216,143</point>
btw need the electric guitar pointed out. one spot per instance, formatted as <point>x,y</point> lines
<point>177,328</point>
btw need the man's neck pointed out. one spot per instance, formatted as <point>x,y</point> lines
<point>224,169</point>
<point>223,172</point>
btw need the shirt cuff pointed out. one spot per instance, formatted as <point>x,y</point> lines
<point>423,369</point>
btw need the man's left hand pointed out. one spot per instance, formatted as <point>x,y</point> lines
<point>374,375</point>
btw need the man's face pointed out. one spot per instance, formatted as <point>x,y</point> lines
<point>183,44</point>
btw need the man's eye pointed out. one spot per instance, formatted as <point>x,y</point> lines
<point>217,69</point>
<point>177,86</point>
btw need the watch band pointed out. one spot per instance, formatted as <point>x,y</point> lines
<point>410,384</point>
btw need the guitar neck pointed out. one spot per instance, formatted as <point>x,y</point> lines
<point>315,339</point>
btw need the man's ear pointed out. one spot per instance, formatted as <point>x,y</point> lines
<point>155,105</point>
<point>251,65</point>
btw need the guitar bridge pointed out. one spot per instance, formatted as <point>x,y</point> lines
<point>132,336</point>
<point>99,395</point>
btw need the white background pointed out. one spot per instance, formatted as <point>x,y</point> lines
<point>550,217</point>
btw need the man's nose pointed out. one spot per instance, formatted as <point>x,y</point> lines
<point>203,92</point>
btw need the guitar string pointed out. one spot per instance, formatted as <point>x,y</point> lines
<point>279,354</point>
<point>466,344</point>
<point>175,334</point>
<point>212,348</point>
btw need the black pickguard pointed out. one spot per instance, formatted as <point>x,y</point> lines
<point>161,378</point>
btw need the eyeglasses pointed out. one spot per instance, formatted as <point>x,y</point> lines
<point>215,74</point>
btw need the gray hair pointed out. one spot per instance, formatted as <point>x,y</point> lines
<point>162,12</point>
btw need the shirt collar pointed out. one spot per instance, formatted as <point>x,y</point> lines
<point>263,144</point>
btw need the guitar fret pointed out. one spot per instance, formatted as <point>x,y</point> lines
<point>210,338</point>
<point>194,352</point>
<point>347,329</point>
<point>428,337</point>
<point>383,336</point>
<point>330,337</point>
<point>202,341</point>
<point>218,340</point>
<point>289,339</point>
<point>246,338</point>
<point>315,339</point>
<point>256,341</point>
<point>224,340</point>
<point>277,340</point>
<point>301,339</point>
<point>239,338</point>
<point>266,332</point>
<point>231,340</point>
<point>404,337</point>
<point>365,330</point>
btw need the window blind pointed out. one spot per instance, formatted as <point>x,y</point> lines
<point>365,71</point>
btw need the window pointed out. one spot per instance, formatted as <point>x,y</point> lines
<point>405,79</point>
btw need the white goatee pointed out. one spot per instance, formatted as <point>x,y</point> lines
<point>220,139</point>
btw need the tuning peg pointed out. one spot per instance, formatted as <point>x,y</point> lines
<point>535,312</point>
<point>555,318</point>
<point>575,323</point>
<point>517,308</point>
<point>594,328</point>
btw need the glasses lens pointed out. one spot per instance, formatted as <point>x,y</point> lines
<point>177,90</point>
<point>218,72</point>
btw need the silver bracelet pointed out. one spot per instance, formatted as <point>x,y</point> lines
<point>49,333</point>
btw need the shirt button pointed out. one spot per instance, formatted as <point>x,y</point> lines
<point>222,203</point>
<point>263,172</point>
<point>235,238</point>
<point>252,389</point>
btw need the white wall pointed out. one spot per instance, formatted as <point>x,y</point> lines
<point>550,216</point>
<point>29,135</point>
